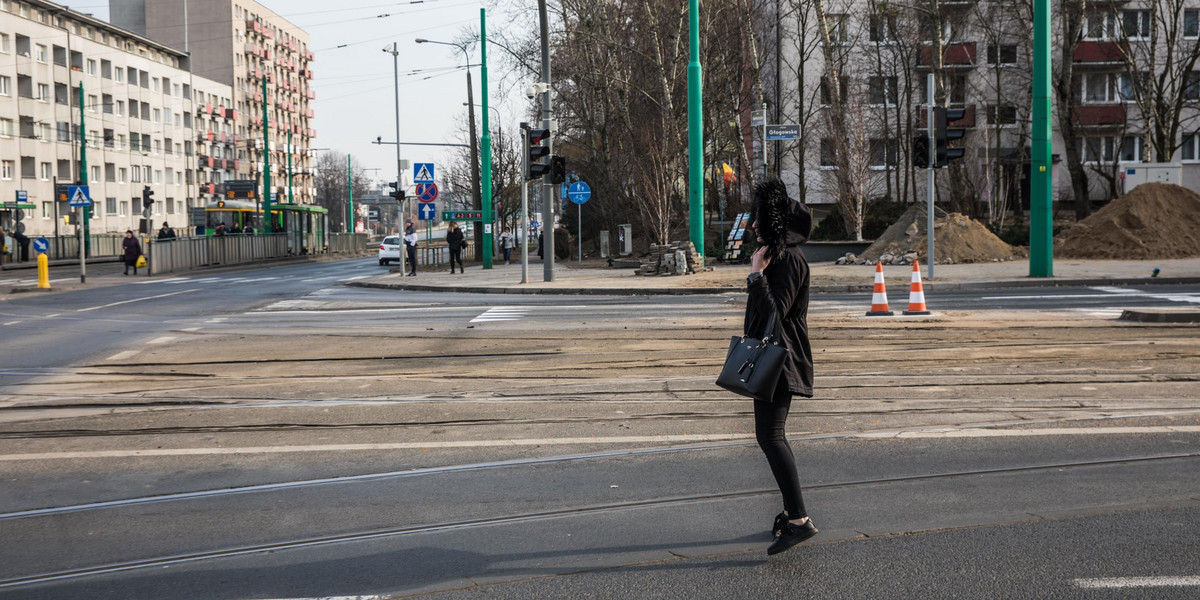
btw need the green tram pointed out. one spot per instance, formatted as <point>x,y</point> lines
<point>306,227</point>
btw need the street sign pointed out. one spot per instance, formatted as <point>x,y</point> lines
<point>41,245</point>
<point>758,118</point>
<point>427,192</point>
<point>427,212</point>
<point>783,132</point>
<point>462,215</point>
<point>579,192</point>
<point>423,172</point>
<point>78,195</point>
<point>274,197</point>
<point>22,196</point>
<point>246,189</point>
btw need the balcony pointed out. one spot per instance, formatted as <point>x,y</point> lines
<point>954,56</point>
<point>208,188</point>
<point>1099,115</point>
<point>205,162</point>
<point>1100,53</point>
<point>967,122</point>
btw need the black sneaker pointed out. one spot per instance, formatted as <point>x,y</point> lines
<point>792,534</point>
<point>781,519</point>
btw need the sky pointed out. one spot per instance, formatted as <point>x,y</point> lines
<point>354,83</point>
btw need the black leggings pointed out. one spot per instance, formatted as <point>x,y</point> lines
<point>769,421</point>
<point>456,257</point>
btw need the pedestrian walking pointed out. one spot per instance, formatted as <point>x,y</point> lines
<point>457,241</point>
<point>779,284</point>
<point>133,251</point>
<point>539,244</point>
<point>410,246</point>
<point>506,244</point>
<point>165,232</point>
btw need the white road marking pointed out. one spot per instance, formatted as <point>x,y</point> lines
<point>170,280</point>
<point>138,300</point>
<point>123,355</point>
<point>252,280</point>
<point>355,278</point>
<point>502,313</point>
<point>650,439</point>
<point>216,320</point>
<point>161,340</point>
<point>1110,292</point>
<point>1136,582</point>
<point>191,329</point>
<point>11,323</point>
<point>336,598</point>
<point>53,315</point>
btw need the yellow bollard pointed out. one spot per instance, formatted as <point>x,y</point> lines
<point>43,271</point>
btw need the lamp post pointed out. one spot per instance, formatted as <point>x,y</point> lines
<point>481,240</point>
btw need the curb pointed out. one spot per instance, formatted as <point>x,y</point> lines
<point>1143,315</point>
<point>816,289</point>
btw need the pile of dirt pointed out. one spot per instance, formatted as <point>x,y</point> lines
<point>957,239</point>
<point>1154,220</point>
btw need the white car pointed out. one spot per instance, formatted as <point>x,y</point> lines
<point>389,250</point>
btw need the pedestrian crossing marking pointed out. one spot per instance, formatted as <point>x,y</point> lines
<point>501,313</point>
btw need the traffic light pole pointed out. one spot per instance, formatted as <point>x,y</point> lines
<point>485,143</point>
<point>548,199</point>
<point>524,204</point>
<point>929,182</point>
<point>83,227</point>
<point>1041,231</point>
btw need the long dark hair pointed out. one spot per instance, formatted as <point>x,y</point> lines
<point>770,215</point>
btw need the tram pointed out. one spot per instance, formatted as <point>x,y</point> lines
<point>306,227</point>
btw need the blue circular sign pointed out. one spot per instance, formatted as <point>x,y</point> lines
<point>579,192</point>
<point>41,245</point>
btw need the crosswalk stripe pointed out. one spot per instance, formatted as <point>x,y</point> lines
<point>501,313</point>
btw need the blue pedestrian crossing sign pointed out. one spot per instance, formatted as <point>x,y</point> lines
<point>427,211</point>
<point>579,192</point>
<point>78,195</point>
<point>423,172</point>
<point>41,245</point>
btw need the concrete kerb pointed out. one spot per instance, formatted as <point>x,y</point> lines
<point>819,289</point>
<point>1162,315</point>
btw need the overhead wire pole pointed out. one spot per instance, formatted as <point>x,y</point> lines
<point>1041,235</point>
<point>485,143</point>
<point>268,226</point>
<point>548,199</point>
<point>696,131</point>
<point>395,52</point>
<point>83,180</point>
<point>350,198</point>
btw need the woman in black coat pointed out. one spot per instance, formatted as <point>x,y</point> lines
<point>454,239</point>
<point>779,282</point>
<point>133,250</point>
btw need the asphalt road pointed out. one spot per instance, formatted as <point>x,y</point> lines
<point>269,433</point>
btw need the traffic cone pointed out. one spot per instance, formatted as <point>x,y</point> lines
<point>916,294</point>
<point>879,303</point>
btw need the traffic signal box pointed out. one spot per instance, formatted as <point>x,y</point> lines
<point>147,197</point>
<point>558,170</point>
<point>397,191</point>
<point>537,151</point>
<point>943,134</point>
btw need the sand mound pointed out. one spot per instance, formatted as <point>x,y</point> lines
<point>957,239</point>
<point>1155,220</point>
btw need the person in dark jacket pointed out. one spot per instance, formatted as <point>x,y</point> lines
<point>133,250</point>
<point>410,246</point>
<point>165,232</point>
<point>455,239</point>
<point>779,283</point>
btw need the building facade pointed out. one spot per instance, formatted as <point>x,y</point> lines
<point>141,111</point>
<point>261,56</point>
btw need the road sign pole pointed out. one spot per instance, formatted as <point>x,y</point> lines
<point>524,205</point>
<point>83,179</point>
<point>485,143</point>
<point>930,192</point>
<point>579,231</point>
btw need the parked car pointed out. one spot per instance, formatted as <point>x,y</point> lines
<point>389,250</point>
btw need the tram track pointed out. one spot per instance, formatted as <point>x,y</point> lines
<point>576,511</point>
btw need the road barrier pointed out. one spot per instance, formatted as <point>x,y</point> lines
<point>183,254</point>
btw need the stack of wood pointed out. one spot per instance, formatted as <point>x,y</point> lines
<point>663,260</point>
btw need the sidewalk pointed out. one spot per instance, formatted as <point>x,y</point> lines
<point>593,277</point>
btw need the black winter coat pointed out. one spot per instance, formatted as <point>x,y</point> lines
<point>454,238</point>
<point>784,285</point>
<point>133,250</point>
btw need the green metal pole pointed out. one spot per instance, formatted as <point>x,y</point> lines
<point>1041,232</point>
<point>350,195</point>
<point>290,201</point>
<point>266,199</point>
<point>86,249</point>
<point>485,144</point>
<point>695,131</point>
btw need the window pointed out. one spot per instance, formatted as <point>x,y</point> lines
<point>828,153</point>
<point>1191,89</point>
<point>110,206</point>
<point>106,70</point>
<point>882,90</point>
<point>107,101</point>
<point>1128,86</point>
<point>133,76</point>
<point>1132,149</point>
<point>125,206</point>
<point>47,210</point>
<point>839,28</point>
<point>6,169</point>
<point>64,131</point>
<point>157,116</point>
<point>1002,114</point>
<point>1002,54</point>
<point>42,54</point>
<point>958,88</point>
<point>95,173</point>
<point>119,108</point>
<point>5,85</point>
<point>4,47</point>
<point>110,172</point>
<point>1098,88</point>
<point>47,171</point>
<point>133,108</point>
<point>136,173</point>
<point>882,29</point>
<point>122,173</point>
<point>147,174</point>
<point>1189,146</point>
<point>28,168</point>
<point>43,92</point>
<point>43,131</point>
<point>1098,24</point>
<point>1135,24</point>
<point>884,153</point>
<point>825,97</point>
<point>120,75</point>
<point>110,139</point>
<point>1191,23</point>
<point>1098,149</point>
<point>64,170</point>
<point>91,66</point>
<point>92,101</point>
<point>6,128</point>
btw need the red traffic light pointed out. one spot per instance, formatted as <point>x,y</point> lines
<point>537,135</point>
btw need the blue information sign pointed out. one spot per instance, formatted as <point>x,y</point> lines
<point>579,192</point>
<point>41,245</point>
<point>427,211</point>
<point>423,172</point>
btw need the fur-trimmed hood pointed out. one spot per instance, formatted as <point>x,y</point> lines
<point>781,221</point>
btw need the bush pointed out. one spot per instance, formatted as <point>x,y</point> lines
<point>879,215</point>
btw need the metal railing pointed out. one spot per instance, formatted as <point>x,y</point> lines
<point>183,254</point>
<point>348,243</point>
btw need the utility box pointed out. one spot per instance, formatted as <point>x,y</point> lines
<point>1136,175</point>
<point>604,250</point>
<point>625,239</point>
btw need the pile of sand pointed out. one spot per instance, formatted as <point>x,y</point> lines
<point>957,239</point>
<point>1155,220</point>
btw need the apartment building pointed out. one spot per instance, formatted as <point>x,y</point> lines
<point>142,111</point>
<point>884,52</point>
<point>259,54</point>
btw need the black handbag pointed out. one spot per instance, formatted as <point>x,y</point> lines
<point>752,367</point>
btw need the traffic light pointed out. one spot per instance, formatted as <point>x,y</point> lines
<point>920,151</point>
<point>558,169</point>
<point>942,134</point>
<point>397,191</point>
<point>147,197</point>
<point>536,152</point>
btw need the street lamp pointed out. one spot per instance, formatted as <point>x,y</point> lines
<point>474,141</point>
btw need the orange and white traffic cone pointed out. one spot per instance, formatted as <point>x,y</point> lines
<point>916,294</point>
<point>879,303</point>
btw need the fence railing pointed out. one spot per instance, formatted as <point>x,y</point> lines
<point>67,246</point>
<point>347,243</point>
<point>183,254</point>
